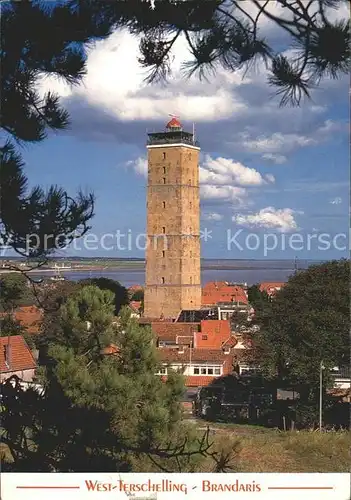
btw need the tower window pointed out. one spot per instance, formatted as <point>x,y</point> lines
<point>191,280</point>
<point>163,280</point>
<point>164,155</point>
<point>164,230</point>
<point>163,253</point>
<point>163,204</point>
<point>164,180</point>
<point>164,170</point>
<point>191,204</point>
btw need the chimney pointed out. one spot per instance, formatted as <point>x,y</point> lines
<point>35,353</point>
<point>7,354</point>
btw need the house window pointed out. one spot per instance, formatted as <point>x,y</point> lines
<point>164,155</point>
<point>163,204</point>
<point>164,230</point>
<point>164,180</point>
<point>204,337</point>
<point>163,280</point>
<point>162,371</point>
<point>207,370</point>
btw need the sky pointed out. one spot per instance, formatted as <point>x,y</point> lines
<point>274,182</point>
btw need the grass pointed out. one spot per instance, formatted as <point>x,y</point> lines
<point>257,449</point>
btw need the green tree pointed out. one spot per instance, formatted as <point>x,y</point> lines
<point>256,297</point>
<point>35,223</point>
<point>218,32</point>
<point>14,292</point>
<point>309,323</point>
<point>103,407</point>
<point>120,293</point>
<point>10,326</point>
<point>222,33</point>
<point>138,295</point>
<point>52,300</point>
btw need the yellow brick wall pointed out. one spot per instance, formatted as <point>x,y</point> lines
<point>173,228</point>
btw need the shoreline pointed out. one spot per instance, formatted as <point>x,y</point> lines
<point>142,268</point>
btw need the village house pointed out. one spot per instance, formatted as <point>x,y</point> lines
<point>271,288</point>
<point>16,359</point>
<point>133,289</point>
<point>226,299</point>
<point>207,340</point>
<point>200,367</point>
<point>30,317</point>
<point>135,307</point>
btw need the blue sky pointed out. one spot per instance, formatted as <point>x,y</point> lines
<point>265,171</point>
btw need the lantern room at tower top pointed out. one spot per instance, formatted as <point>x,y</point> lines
<point>172,135</point>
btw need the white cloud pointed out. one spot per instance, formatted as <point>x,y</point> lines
<point>270,218</point>
<point>274,147</point>
<point>227,171</point>
<point>275,158</point>
<point>139,166</point>
<point>227,180</point>
<point>275,143</point>
<point>220,179</point>
<point>336,201</point>
<point>270,178</point>
<point>214,216</point>
<point>233,194</point>
<point>115,83</point>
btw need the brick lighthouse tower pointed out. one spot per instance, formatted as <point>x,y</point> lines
<point>173,223</point>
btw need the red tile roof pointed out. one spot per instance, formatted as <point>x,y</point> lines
<point>135,305</point>
<point>198,381</point>
<point>20,356</point>
<point>30,317</point>
<point>215,292</point>
<point>271,287</point>
<point>210,285</point>
<point>194,380</point>
<point>196,355</point>
<point>216,332</point>
<point>148,321</point>
<point>135,288</point>
<point>173,331</point>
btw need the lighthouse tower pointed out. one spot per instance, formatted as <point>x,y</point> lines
<point>173,223</point>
